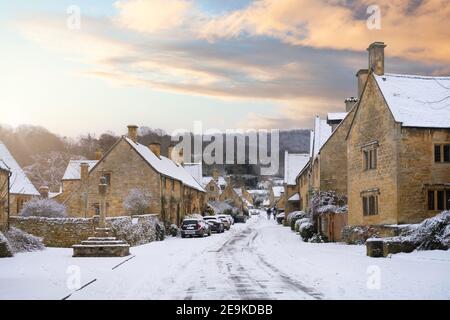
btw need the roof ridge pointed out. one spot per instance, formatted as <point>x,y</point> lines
<point>413,76</point>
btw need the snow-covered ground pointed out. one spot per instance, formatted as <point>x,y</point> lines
<point>256,260</point>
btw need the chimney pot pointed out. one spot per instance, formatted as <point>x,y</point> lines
<point>349,103</point>
<point>155,147</point>
<point>376,57</point>
<point>44,190</point>
<point>98,154</point>
<point>84,172</point>
<point>132,132</point>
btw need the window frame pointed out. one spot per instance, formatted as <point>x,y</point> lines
<point>441,153</point>
<point>370,156</point>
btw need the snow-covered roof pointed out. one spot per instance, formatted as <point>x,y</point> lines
<point>165,166</point>
<point>322,131</point>
<point>221,181</point>
<point>195,169</point>
<point>73,170</point>
<point>294,197</point>
<point>238,191</point>
<point>417,101</point>
<point>257,192</point>
<point>19,182</point>
<point>293,164</point>
<point>277,191</point>
<point>3,165</point>
<point>336,116</point>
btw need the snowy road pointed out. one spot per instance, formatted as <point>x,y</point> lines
<point>256,260</point>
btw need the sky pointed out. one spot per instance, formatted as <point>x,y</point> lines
<point>230,63</point>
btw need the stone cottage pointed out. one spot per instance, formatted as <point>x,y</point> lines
<point>293,164</point>
<point>230,195</point>
<point>398,147</point>
<point>275,194</point>
<point>214,186</point>
<point>21,189</point>
<point>171,190</point>
<point>4,194</point>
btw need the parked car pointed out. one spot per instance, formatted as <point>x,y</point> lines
<point>195,227</point>
<point>215,224</point>
<point>255,212</point>
<point>225,220</point>
<point>280,217</point>
<point>240,218</point>
<point>230,218</point>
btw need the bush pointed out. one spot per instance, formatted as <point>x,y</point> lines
<point>160,231</point>
<point>47,208</point>
<point>173,230</point>
<point>294,216</point>
<point>135,233</point>
<point>306,230</point>
<point>5,248</point>
<point>318,238</point>
<point>21,241</point>
<point>299,222</point>
<point>137,202</point>
<point>431,234</point>
<point>358,234</point>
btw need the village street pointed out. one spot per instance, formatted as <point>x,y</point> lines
<point>256,260</point>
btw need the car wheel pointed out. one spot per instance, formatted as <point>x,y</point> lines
<point>183,236</point>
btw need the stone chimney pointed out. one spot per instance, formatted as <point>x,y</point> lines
<point>132,132</point>
<point>349,103</point>
<point>376,57</point>
<point>84,172</point>
<point>155,147</point>
<point>362,75</point>
<point>44,190</point>
<point>216,174</point>
<point>98,154</point>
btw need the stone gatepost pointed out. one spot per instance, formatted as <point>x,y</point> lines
<point>102,189</point>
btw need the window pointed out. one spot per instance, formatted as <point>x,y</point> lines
<point>370,205</point>
<point>107,177</point>
<point>442,153</point>
<point>211,188</point>
<point>370,158</point>
<point>438,199</point>
<point>172,185</point>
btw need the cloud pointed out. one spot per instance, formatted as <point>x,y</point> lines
<point>415,29</point>
<point>301,56</point>
<point>152,15</point>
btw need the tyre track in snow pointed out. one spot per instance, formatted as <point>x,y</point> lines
<point>253,276</point>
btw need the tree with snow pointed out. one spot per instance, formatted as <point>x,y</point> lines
<point>43,208</point>
<point>137,202</point>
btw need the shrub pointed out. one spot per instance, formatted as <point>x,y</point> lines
<point>137,202</point>
<point>21,241</point>
<point>299,222</point>
<point>306,230</point>
<point>294,216</point>
<point>173,230</point>
<point>135,233</point>
<point>47,208</point>
<point>160,231</point>
<point>318,238</point>
<point>5,248</point>
<point>358,234</point>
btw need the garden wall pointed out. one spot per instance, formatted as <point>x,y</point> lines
<point>65,232</point>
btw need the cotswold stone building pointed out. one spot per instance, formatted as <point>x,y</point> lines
<point>293,164</point>
<point>398,147</point>
<point>4,194</point>
<point>172,191</point>
<point>214,186</point>
<point>21,189</point>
